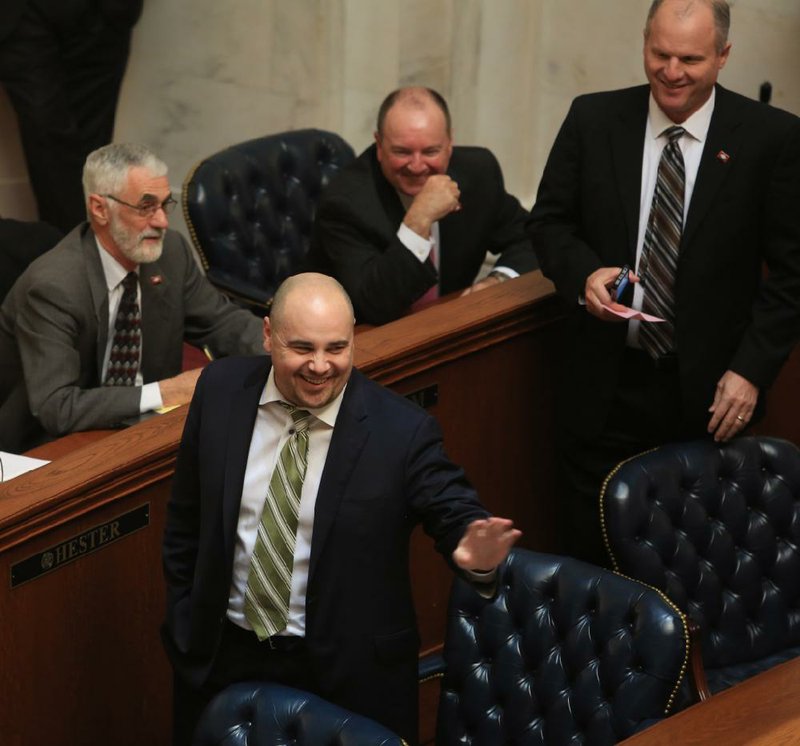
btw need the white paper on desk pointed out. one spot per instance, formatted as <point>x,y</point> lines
<point>14,465</point>
<point>630,313</point>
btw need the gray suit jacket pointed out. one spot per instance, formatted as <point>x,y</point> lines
<point>54,331</point>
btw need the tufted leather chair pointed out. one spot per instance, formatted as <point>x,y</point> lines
<point>257,713</point>
<point>250,208</point>
<point>717,528</point>
<point>566,653</point>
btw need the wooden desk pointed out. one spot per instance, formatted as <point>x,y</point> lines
<point>69,443</point>
<point>761,711</point>
<point>81,660</point>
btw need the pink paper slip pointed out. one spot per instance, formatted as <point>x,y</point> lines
<point>630,313</point>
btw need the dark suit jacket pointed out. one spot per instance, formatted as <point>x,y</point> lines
<point>20,243</point>
<point>355,235</point>
<point>745,210</point>
<point>54,330</point>
<point>10,12</point>
<point>68,12</point>
<point>385,472</point>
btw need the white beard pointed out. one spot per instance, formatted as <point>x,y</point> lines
<point>133,246</point>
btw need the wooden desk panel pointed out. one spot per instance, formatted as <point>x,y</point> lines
<point>81,656</point>
<point>782,419</point>
<point>761,711</point>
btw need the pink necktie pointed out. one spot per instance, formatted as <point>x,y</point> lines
<point>433,292</point>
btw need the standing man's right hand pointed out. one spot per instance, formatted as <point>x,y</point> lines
<point>439,197</point>
<point>597,294</point>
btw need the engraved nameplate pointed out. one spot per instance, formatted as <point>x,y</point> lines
<point>78,546</point>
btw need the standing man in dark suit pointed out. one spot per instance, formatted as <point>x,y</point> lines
<point>414,216</point>
<point>375,467</point>
<point>62,64</point>
<point>729,326</point>
<point>61,340</point>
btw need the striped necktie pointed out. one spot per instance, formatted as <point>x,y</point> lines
<point>123,361</point>
<point>659,262</point>
<point>269,582</point>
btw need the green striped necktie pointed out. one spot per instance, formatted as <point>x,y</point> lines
<point>266,598</point>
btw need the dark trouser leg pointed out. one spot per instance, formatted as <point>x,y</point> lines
<point>240,658</point>
<point>62,71</point>
<point>646,413</point>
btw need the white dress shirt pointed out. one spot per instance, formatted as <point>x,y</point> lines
<point>270,432</point>
<point>691,144</point>
<point>423,247</point>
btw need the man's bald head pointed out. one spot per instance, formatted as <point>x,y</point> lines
<point>305,287</point>
<point>413,97</point>
<point>720,9</point>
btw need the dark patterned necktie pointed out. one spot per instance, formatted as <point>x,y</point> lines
<point>123,362</point>
<point>269,582</point>
<point>662,241</point>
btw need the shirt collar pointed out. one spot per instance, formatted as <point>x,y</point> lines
<point>696,125</point>
<point>114,272</point>
<point>327,414</point>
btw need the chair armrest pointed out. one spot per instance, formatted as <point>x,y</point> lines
<point>697,671</point>
<point>431,666</point>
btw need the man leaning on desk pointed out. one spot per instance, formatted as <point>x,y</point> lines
<point>413,216</point>
<point>92,332</point>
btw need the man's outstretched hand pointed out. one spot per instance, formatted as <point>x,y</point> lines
<point>485,544</point>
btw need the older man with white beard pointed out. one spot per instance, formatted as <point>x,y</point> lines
<point>91,333</point>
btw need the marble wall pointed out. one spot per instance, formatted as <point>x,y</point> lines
<point>204,74</point>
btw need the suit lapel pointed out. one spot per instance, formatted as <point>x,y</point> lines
<point>387,196</point>
<point>98,289</point>
<point>451,230</point>
<point>627,151</point>
<point>349,438</point>
<point>156,310</point>
<point>724,136</point>
<point>244,407</point>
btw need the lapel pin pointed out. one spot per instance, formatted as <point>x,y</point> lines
<point>156,280</point>
<point>723,157</point>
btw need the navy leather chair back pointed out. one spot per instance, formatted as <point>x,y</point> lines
<point>250,208</point>
<point>717,528</point>
<point>262,714</point>
<point>566,653</point>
